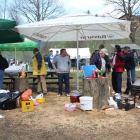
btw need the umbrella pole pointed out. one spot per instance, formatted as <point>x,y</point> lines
<point>77,63</point>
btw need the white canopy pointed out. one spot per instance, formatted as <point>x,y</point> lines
<point>132,46</point>
<point>83,52</point>
<point>76,27</point>
<point>65,28</point>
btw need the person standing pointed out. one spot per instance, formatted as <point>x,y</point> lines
<point>39,69</point>
<point>8,60</point>
<point>57,53</point>
<point>106,58</point>
<point>118,68</point>
<point>50,59</point>
<point>99,61</point>
<point>46,58</point>
<point>129,66</point>
<point>3,65</point>
<point>63,69</point>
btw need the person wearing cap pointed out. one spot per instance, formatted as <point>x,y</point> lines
<point>101,46</point>
<point>3,65</point>
<point>99,61</point>
<point>118,68</point>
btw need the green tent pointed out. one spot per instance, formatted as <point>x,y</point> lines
<point>27,45</point>
<point>6,33</point>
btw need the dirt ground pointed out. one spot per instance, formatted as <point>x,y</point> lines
<point>50,121</point>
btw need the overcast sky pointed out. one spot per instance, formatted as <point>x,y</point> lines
<point>95,6</point>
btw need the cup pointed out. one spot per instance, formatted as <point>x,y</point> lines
<point>23,74</point>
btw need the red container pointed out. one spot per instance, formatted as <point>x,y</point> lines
<point>93,73</point>
<point>75,98</point>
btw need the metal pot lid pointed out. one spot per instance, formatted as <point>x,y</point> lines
<point>76,94</point>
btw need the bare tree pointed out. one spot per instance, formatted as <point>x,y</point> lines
<point>131,10</point>
<point>37,10</point>
<point>14,16</point>
<point>3,8</point>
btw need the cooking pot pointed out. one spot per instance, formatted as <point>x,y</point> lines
<point>75,98</point>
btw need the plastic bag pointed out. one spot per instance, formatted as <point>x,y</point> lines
<point>17,101</point>
<point>35,103</point>
<point>40,96</point>
<point>4,91</point>
<point>4,97</point>
<point>31,98</point>
<point>112,102</point>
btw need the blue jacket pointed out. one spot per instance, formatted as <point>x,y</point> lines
<point>129,60</point>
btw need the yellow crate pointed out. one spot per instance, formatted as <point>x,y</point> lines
<point>26,106</point>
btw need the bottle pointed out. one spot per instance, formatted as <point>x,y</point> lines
<point>23,72</point>
<point>93,73</point>
<point>26,67</point>
<point>19,73</point>
<point>101,73</point>
<point>96,74</point>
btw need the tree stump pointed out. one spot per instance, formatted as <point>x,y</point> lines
<point>21,84</point>
<point>97,88</point>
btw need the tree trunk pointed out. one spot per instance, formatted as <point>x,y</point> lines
<point>21,84</point>
<point>97,88</point>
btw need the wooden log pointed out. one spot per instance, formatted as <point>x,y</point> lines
<point>21,84</point>
<point>97,88</point>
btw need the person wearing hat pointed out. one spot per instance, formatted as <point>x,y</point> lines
<point>99,61</point>
<point>101,46</point>
<point>3,65</point>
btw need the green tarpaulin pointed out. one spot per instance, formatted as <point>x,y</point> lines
<point>6,34</point>
<point>27,45</point>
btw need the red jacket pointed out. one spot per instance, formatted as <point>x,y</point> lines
<point>119,64</point>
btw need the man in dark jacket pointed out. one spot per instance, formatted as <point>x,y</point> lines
<point>101,46</point>
<point>99,61</point>
<point>130,67</point>
<point>3,66</point>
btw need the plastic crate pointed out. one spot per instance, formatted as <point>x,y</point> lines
<point>26,106</point>
<point>126,106</point>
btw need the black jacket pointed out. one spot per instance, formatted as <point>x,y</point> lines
<point>129,60</point>
<point>3,63</point>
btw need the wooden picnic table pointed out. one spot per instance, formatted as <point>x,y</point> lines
<point>10,81</point>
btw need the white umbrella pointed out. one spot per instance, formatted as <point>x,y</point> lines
<point>76,27</point>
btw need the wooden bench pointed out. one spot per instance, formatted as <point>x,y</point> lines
<point>47,82</point>
<point>8,84</point>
